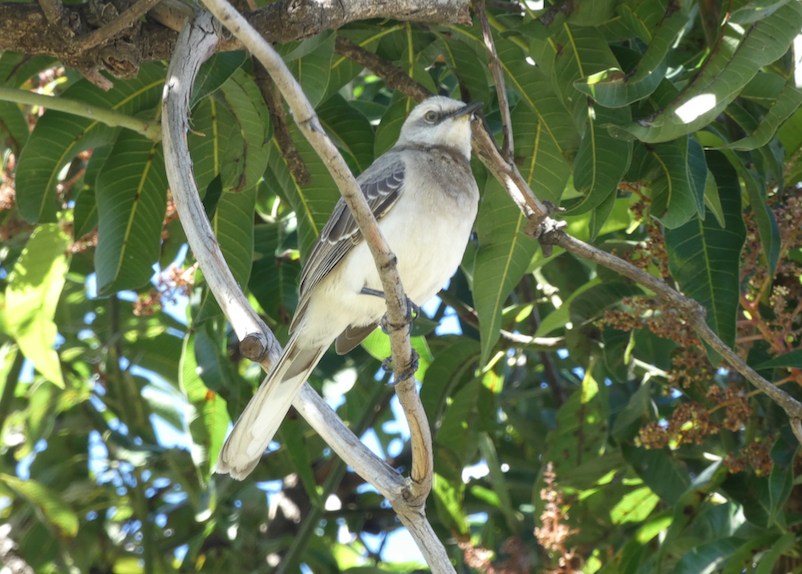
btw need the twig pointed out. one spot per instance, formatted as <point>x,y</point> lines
<point>483,143</point>
<point>281,131</point>
<point>395,78</point>
<point>508,146</point>
<point>120,23</point>
<point>196,43</point>
<point>150,129</point>
<point>689,309</point>
<point>53,10</point>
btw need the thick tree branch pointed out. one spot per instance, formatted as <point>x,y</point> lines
<point>123,21</point>
<point>25,28</point>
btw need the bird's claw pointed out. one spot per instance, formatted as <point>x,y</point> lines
<point>409,371</point>
<point>413,311</point>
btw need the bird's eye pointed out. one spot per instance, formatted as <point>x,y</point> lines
<point>431,116</point>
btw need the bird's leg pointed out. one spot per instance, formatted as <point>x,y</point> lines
<point>409,371</point>
<point>413,310</point>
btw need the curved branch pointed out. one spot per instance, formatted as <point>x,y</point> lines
<point>196,44</point>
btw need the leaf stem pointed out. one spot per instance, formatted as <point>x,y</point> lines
<point>149,129</point>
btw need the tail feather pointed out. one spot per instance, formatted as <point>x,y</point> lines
<point>263,415</point>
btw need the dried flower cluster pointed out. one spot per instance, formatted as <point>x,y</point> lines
<point>756,455</point>
<point>172,282</point>
<point>554,533</point>
<point>478,558</point>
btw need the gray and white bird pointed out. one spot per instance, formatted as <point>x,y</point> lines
<point>425,199</point>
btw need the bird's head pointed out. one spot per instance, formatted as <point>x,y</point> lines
<point>440,121</point>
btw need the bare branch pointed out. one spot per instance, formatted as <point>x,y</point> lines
<point>398,316</point>
<point>275,107</point>
<point>689,309</point>
<point>197,42</point>
<point>123,21</point>
<point>508,146</point>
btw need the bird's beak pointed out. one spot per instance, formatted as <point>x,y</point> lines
<point>467,110</point>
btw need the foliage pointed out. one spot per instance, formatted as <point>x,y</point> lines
<point>612,442</point>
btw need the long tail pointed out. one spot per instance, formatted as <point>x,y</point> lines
<point>264,413</point>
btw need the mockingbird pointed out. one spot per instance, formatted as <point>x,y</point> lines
<point>424,197</point>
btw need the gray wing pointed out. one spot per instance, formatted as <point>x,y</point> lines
<point>381,184</point>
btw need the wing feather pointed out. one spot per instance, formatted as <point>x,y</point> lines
<point>382,184</point>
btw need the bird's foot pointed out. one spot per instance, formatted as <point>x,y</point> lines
<point>409,371</point>
<point>413,311</point>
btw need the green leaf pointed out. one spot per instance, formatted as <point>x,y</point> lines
<point>468,64</point>
<point>635,506</point>
<point>792,360</point>
<point>32,295</point>
<point>292,438</point>
<point>764,216</point>
<point>389,129</point>
<point>274,279</point>
<point>57,512</point>
<point>736,58</point>
<point>581,428</point>
<point>448,497</point>
<point>704,258</point>
<point>246,155</point>
<point>660,471</point>
<point>743,559</point>
<point>350,131</point>
<point>503,255</point>
<point>707,557</point>
<point>378,345</point>
<point>591,303</point>
<point>781,109</point>
<point>208,425</point>
<point>602,160</point>
<point>458,432</point>
<point>674,202</point>
<point>536,91</point>
<point>312,70</point>
<point>445,371</point>
<point>210,139</point>
<point>488,452</point>
<point>214,72</point>
<point>233,227</point>
<point>58,137</point>
<point>131,200</point>
<point>544,168</point>
<point>13,127</point>
<point>769,560</point>
<point>85,213</point>
<point>613,88</point>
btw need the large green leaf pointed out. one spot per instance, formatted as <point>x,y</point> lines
<point>245,157</point>
<point>544,168</point>
<point>736,58</point>
<point>704,257</point>
<point>131,200</point>
<point>312,70</point>
<point>214,72</point>
<point>350,131</point>
<point>675,200</point>
<point>503,255</point>
<point>536,91</point>
<point>614,88</point>
<point>468,63</point>
<point>445,371</point>
<point>32,295</point>
<point>13,127</point>
<point>233,226</point>
<point>52,506</point>
<point>581,427</point>
<point>209,139</point>
<point>58,137</point>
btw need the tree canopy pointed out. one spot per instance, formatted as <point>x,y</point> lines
<point>582,422</point>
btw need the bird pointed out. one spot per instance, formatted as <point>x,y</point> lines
<point>425,199</point>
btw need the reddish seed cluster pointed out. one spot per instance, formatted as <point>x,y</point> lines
<point>690,423</point>
<point>757,455</point>
<point>554,533</point>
